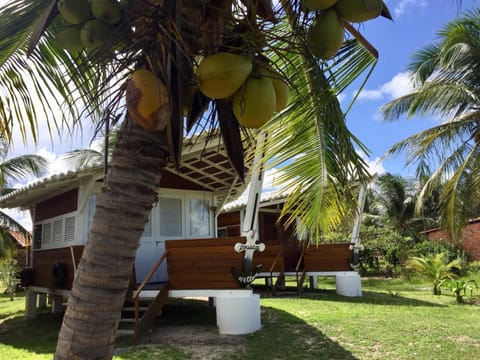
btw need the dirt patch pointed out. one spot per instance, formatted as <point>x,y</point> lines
<point>201,342</point>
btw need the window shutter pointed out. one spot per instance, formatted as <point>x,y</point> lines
<point>58,230</point>
<point>47,233</point>
<point>70,228</point>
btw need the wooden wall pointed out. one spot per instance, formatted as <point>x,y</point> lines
<point>57,205</point>
<point>203,263</point>
<point>328,257</point>
<point>44,261</point>
<point>231,222</point>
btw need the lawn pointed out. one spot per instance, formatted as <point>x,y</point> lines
<point>393,319</point>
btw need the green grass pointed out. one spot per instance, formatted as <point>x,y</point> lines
<point>394,319</point>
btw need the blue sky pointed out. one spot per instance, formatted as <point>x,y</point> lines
<point>415,25</point>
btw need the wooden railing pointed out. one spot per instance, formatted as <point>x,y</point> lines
<point>150,274</point>
<point>301,273</point>
<point>136,297</point>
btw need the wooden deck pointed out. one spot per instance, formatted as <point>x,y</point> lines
<point>204,263</point>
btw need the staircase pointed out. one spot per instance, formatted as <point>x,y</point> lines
<point>139,313</point>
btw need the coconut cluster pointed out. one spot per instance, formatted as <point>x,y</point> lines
<point>256,92</point>
<point>326,34</point>
<point>88,23</point>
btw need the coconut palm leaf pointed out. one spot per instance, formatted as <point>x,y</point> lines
<point>20,168</point>
<point>49,80</point>
<point>446,78</point>
<point>315,153</point>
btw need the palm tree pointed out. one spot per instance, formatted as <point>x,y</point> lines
<point>435,268</point>
<point>446,77</point>
<point>165,37</point>
<point>393,204</point>
<point>12,171</point>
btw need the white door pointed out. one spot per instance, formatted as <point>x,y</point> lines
<point>178,215</point>
<point>148,254</point>
<point>171,218</point>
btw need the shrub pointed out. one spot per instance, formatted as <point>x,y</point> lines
<point>474,267</point>
<point>459,287</point>
<point>9,275</point>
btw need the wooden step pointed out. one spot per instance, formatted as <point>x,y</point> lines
<point>125,332</point>
<point>127,320</point>
<point>130,308</point>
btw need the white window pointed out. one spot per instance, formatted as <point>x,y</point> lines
<point>199,218</point>
<point>47,234</point>
<point>147,230</point>
<point>55,232</point>
<point>92,201</point>
<point>171,216</point>
<point>58,230</point>
<point>69,229</point>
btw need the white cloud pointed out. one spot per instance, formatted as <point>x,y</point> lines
<point>407,6</point>
<point>375,166</point>
<point>20,216</point>
<point>399,85</point>
<point>370,94</point>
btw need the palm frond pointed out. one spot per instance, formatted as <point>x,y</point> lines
<point>22,167</point>
<point>310,144</point>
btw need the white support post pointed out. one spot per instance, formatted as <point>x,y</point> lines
<point>356,247</point>
<point>250,220</point>
<point>31,304</point>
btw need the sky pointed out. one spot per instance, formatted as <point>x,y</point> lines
<point>415,25</point>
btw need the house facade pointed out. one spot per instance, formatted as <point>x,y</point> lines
<point>189,199</point>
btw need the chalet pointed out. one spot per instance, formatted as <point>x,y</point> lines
<point>189,247</point>
<point>182,224</point>
<point>470,239</point>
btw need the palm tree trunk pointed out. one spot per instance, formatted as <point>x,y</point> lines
<point>129,190</point>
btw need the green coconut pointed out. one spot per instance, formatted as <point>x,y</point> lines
<point>220,75</point>
<point>255,103</point>
<point>359,10</point>
<point>74,12</point>
<point>106,10</point>
<point>318,4</point>
<point>69,39</point>
<point>94,33</point>
<point>280,87</point>
<point>326,34</point>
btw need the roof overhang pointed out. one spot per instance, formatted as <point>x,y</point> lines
<point>204,162</point>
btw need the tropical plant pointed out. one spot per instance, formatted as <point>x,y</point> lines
<point>445,78</point>
<point>9,275</point>
<point>434,268</point>
<point>459,287</point>
<point>159,42</point>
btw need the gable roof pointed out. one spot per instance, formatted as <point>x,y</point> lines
<point>204,162</point>
<point>19,239</point>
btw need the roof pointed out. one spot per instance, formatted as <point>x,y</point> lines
<point>471,221</point>
<point>204,163</point>
<point>19,239</point>
<point>267,198</point>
